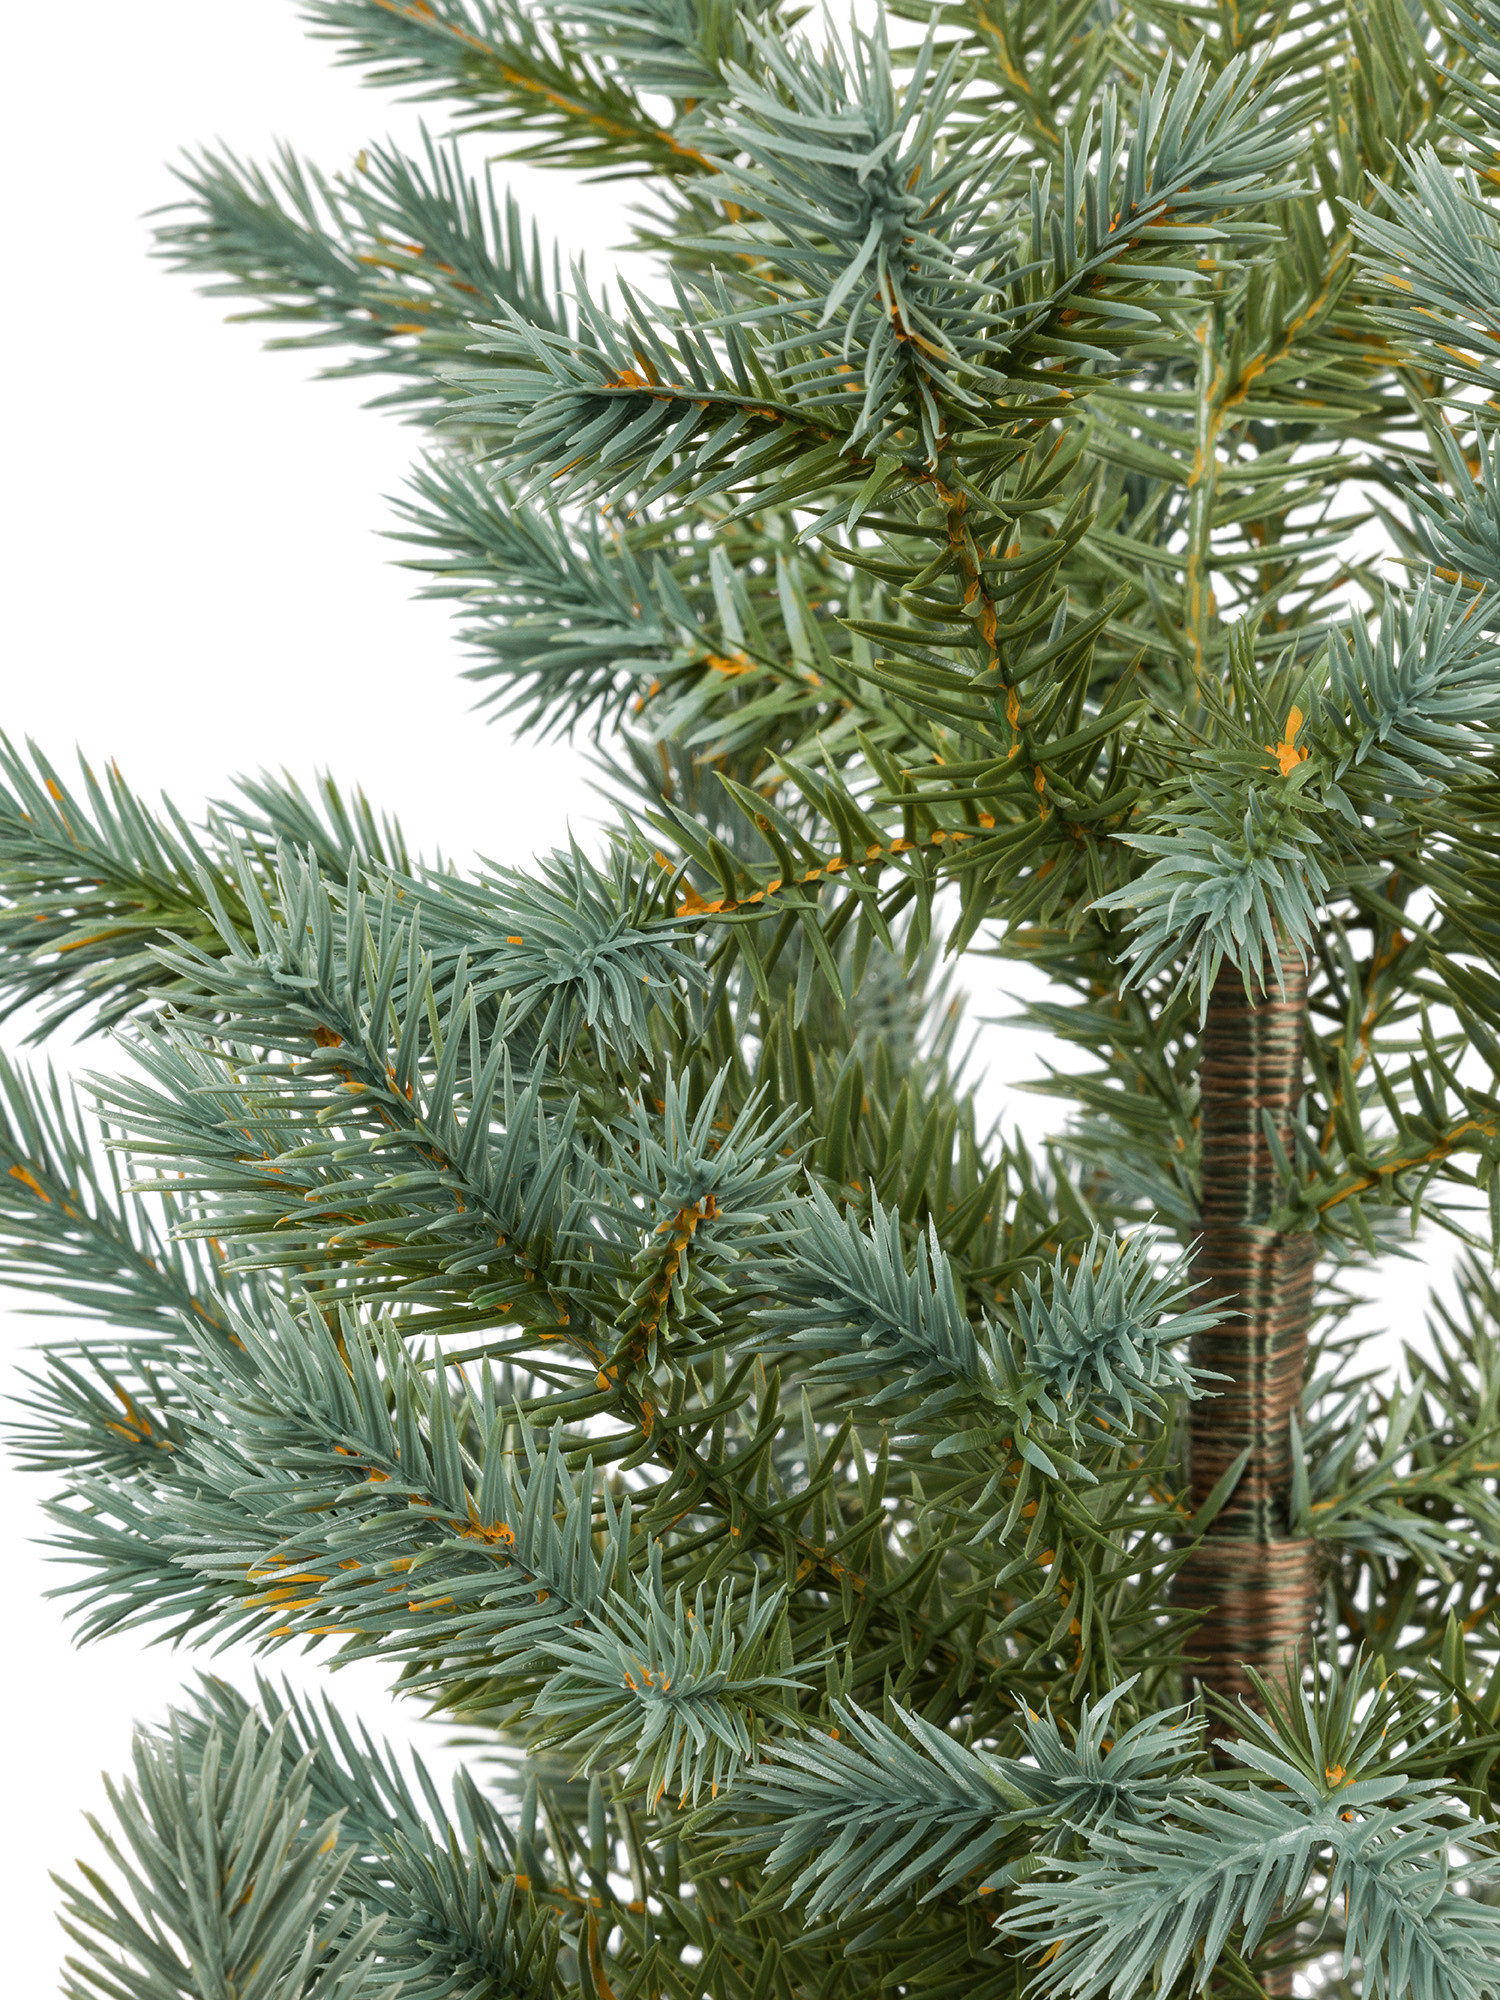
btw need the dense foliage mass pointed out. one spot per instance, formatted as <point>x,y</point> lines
<point>1049,506</point>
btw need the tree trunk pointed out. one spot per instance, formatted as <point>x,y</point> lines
<point>1252,1580</point>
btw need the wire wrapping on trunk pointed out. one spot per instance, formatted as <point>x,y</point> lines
<point>1253,1581</point>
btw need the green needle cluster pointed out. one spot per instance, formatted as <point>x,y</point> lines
<point>1047,505</point>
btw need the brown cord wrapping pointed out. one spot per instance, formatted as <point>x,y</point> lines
<point>1258,1600</point>
<point>1254,1583</point>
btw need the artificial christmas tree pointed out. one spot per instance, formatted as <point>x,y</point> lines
<point>1051,509</point>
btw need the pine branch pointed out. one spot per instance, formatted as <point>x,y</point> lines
<point>1435,266</point>
<point>397,259</point>
<point>582,948</point>
<point>605,412</point>
<point>230,1535</point>
<point>682,49</point>
<point>1092,1352</point>
<point>88,889</point>
<point>1145,1900</point>
<point>1132,1134</point>
<point>1404,1476</point>
<point>502,1589</point>
<point>673,1688</point>
<point>364,1785</point>
<point>567,631</point>
<point>1390,1488</point>
<point>388,1053</point>
<point>1035,66</point>
<point>973,551</point>
<point>836,225</point>
<point>1457,521</point>
<point>1231,876</point>
<point>337,831</point>
<point>233,1890</point>
<point>867,1813</point>
<point>1102,1340</point>
<point>408,1901</point>
<point>91,887</point>
<point>507,76</point>
<point>577,624</point>
<point>441,1244</point>
<point>454,1915</point>
<point>1430,1118</point>
<point>1418,694</point>
<point>69,1230</point>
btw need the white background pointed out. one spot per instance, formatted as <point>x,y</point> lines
<point>194,585</point>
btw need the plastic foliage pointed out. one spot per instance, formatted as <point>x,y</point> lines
<point>232,1889</point>
<point>1417,696</point>
<point>867,1811</point>
<point>1227,883</point>
<point>1147,1901</point>
<point>277,1856</point>
<point>579,950</point>
<point>1096,1346</point>
<point>670,1684</point>
<point>1103,1336</point>
<point>593,1288</point>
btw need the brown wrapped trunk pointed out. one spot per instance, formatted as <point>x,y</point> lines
<point>1252,1580</point>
